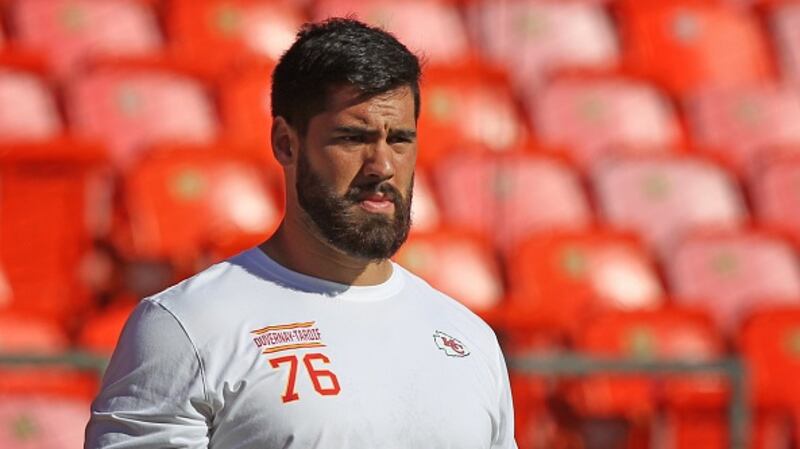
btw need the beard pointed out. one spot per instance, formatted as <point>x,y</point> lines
<point>344,224</point>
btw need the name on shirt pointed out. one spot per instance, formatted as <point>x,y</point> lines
<point>284,337</point>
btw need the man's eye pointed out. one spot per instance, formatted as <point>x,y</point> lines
<point>400,140</point>
<point>354,138</point>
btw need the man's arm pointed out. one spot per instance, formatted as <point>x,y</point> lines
<point>153,392</point>
<point>505,436</point>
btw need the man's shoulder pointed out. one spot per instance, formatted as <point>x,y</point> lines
<point>221,283</point>
<point>450,308</point>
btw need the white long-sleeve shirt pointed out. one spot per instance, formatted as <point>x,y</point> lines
<point>249,354</point>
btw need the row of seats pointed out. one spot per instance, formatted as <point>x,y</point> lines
<point>534,37</point>
<point>179,204</point>
<point>614,177</point>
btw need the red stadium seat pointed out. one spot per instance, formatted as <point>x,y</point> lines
<point>467,109</point>
<point>431,29</point>
<point>562,280</point>
<point>41,406</point>
<point>224,32</point>
<point>745,125</point>
<point>245,109</point>
<point>101,331</point>
<point>460,264</point>
<point>534,39</point>
<point>25,334</point>
<point>426,216</point>
<point>686,45</point>
<point>770,343</point>
<point>28,109</point>
<point>510,197</point>
<point>133,109</point>
<point>666,334</point>
<point>734,274</point>
<point>71,31</point>
<point>786,26</point>
<point>661,199</point>
<point>42,422</point>
<point>590,118</point>
<point>775,196</point>
<point>184,202</point>
<point>42,185</point>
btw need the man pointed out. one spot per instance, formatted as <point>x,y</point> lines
<point>316,339</point>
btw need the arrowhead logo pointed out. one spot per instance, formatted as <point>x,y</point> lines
<point>450,345</point>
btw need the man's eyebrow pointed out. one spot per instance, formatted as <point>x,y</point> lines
<point>403,133</point>
<point>354,130</point>
<point>409,134</point>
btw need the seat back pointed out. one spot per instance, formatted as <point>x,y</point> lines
<point>732,275</point>
<point>72,32</point>
<point>663,198</point>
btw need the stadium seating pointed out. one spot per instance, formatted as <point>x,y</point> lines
<point>669,334</point>
<point>71,32</point>
<point>422,25</point>
<point>131,109</point>
<point>510,196</point>
<point>467,109</point>
<point>228,32</point>
<point>536,39</point>
<point>562,280</point>
<point>102,329</point>
<point>678,335</point>
<point>745,125</point>
<point>774,190</point>
<point>734,274</point>
<point>786,24</point>
<point>28,108</point>
<point>769,341</point>
<point>663,198</point>
<point>769,344</point>
<point>22,333</point>
<point>42,422</point>
<point>685,45</point>
<point>43,184</point>
<point>245,108</point>
<point>577,186</point>
<point>426,215</point>
<point>46,406</point>
<point>591,118</point>
<point>458,263</point>
<point>188,202</point>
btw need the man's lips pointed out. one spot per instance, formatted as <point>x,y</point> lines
<point>377,202</point>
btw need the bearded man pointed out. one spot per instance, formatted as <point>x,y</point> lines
<point>316,339</point>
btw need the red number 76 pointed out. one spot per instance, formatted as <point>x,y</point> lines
<point>315,374</point>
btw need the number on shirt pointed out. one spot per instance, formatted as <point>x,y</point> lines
<point>316,374</point>
<point>290,394</point>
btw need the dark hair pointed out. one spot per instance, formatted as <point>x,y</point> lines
<point>339,52</point>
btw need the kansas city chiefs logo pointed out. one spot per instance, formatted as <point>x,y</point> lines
<point>450,345</point>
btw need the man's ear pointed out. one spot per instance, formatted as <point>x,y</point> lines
<point>285,141</point>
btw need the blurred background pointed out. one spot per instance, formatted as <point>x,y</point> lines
<point>613,185</point>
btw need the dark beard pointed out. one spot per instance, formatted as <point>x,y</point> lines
<point>344,224</point>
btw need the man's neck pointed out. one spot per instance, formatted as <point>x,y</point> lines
<point>297,247</point>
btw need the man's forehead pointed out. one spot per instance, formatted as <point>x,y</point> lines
<point>348,102</point>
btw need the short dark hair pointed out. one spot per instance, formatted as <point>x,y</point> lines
<point>339,52</point>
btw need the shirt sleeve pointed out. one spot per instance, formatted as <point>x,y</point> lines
<point>153,392</point>
<point>505,435</point>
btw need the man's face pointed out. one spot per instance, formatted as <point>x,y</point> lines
<point>355,171</point>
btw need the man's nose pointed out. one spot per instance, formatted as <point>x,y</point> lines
<point>379,161</point>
